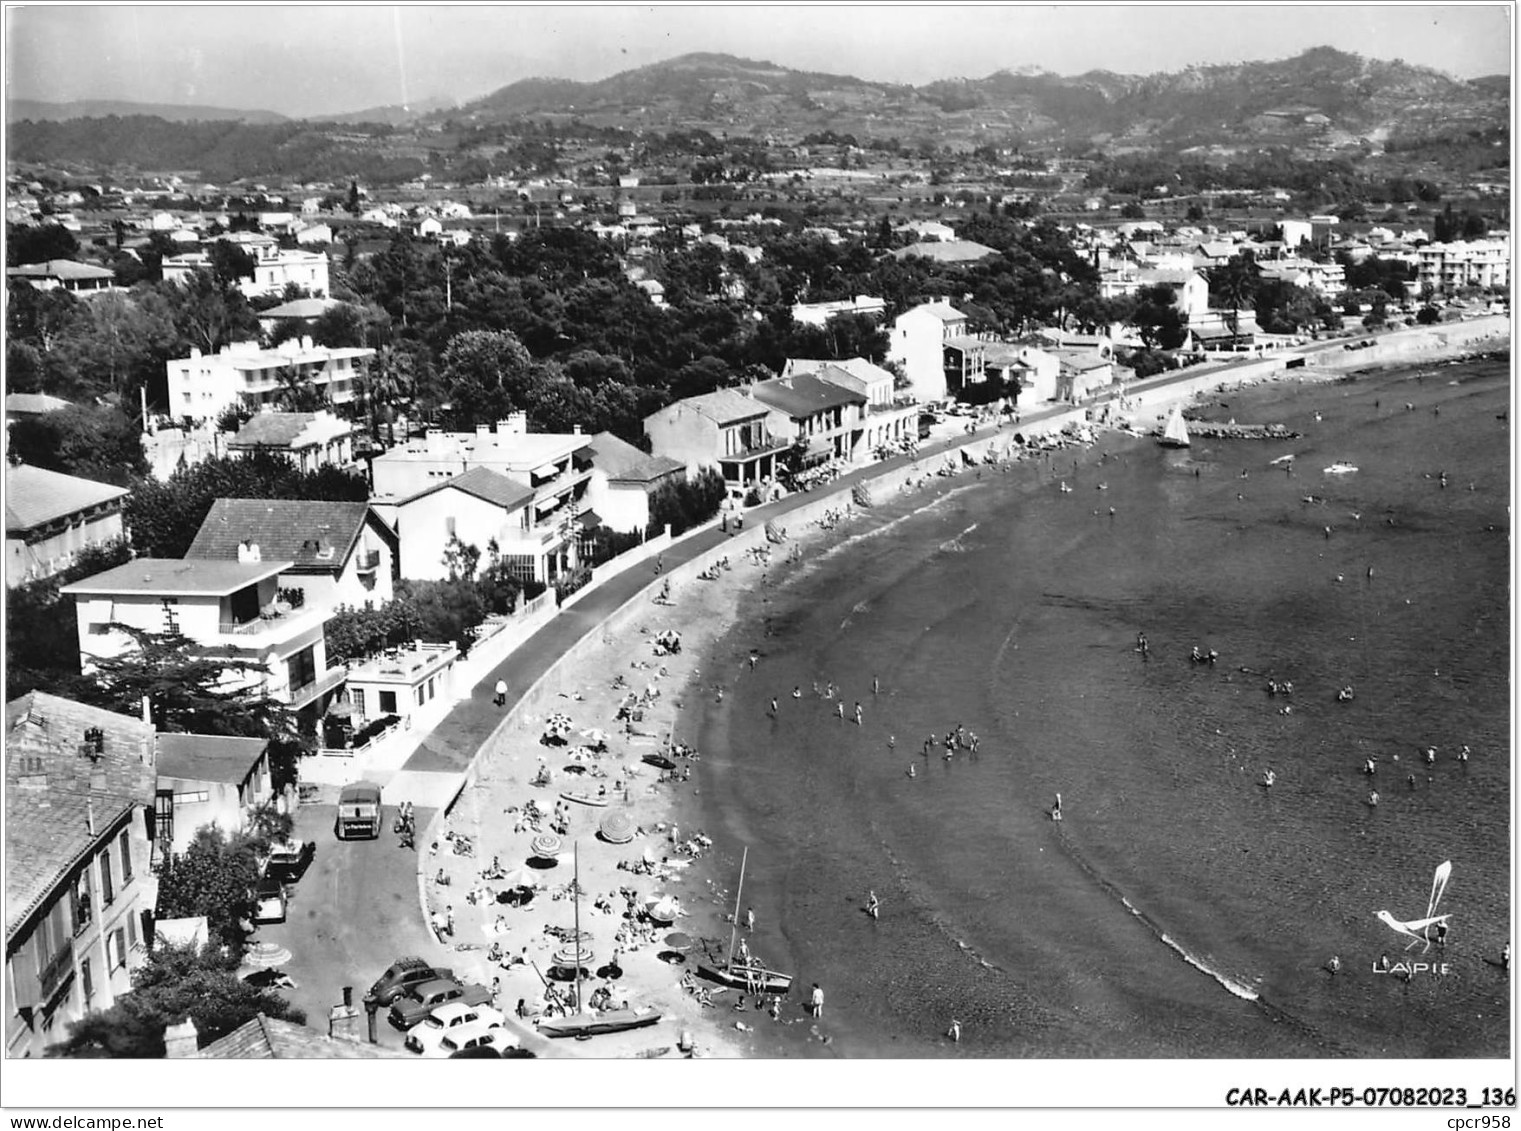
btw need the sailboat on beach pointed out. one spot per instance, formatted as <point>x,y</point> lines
<point>751,977</point>
<point>1175,431</point>
<point>585,1022</point>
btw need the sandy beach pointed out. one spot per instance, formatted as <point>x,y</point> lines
<point>661,698</point>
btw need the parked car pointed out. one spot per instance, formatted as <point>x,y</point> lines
<point>401,976</point>
<point>289,859</point>
<point>469,1039</point>
<point>445,1020</point>
<point>424,999</point>
<point>269,901</point>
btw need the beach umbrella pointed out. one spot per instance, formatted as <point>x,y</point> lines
<point>662,910</point>
<point>574,955</point>
<point>266,956</point>
<point>595,735</point>
<point>679,940</point>
<point>546,845</point>
<point>617,827</point>
<point>522,877</point>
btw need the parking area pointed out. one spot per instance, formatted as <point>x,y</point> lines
<point>351,915</point>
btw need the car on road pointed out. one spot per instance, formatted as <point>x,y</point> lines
<point>424,999</point>
<point>289,860</point>
<point>468,1040</point>
<point>359,811</point>
<point>269,901</point>
<point>445,1020</point>
<point>402,975</point>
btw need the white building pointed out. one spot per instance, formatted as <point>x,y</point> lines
<point>552,471</point>
<point>275,268</point>
<point>227,609</point>
<point>622,480</point>
<point>203,386</point>
<point>819,313</point>
<point>1446,267</point>
<point>917,343</point>
<point>50,517</point>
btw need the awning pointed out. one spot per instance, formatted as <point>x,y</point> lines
<point>544,506</point>
<point>546,471</point>
<point>589,519</point>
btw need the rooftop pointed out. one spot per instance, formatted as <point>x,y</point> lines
<point>177,577</point>
<point>35,496</point>
<point>208,757</point>
<point>624,463</point>
<point>516,450</point>
<point>54,791</point>
<point>301,308</point>
<point>804,394</point>
<point>23,404</point>
<point>725,406</point>
<point>266,1038</point>
<point>284,429</point>
<point>946,251</point>
<point>64,269</point>
<point>317,536</point>
<point>483,483</point>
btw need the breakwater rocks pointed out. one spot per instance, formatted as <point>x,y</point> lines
<point>1212,430</point>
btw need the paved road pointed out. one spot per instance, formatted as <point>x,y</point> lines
<point>352,914</point>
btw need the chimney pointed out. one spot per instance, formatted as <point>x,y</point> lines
<point>248,551</point>
<point>482,431</point>
<point>575,429</point>
<point>181,1042</point>
<point>147,712</point>
<point>434,438</point>
<point>343,1020</point>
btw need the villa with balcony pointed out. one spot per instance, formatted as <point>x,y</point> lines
<point>343,553</point>
<point>533,486</point>
<point>203,386</point>
<point>829,417</point>
<point>406,682</point>
<point>228,609</point>
<point>207,779</point>
<point>890,417</point>
<point>726,429</point>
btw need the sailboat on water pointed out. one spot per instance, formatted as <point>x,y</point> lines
<point>751,977</point>
<point>584,1022</point>
<point>1175,431</point>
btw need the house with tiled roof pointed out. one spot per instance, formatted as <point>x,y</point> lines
<point>207,779</point>
<point>917,344</point>
<point>227,609</point>
<point>310,440</point>
<point>50,517</point>
<point>623,478</point>
<point>946,251</point>
<point>724,429</point>
<point>268,1038</point>
<point>555,467</point>
<point>821,414</point>
<point>78,841</point>
<point>65,275</point>
<point>890,418</point>
<point>342,553</point>
<point>20,406</point>
<point>476,506</point>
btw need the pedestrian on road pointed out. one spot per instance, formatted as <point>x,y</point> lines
<point>501,692</point>
<point>449,919</point>
<point>954,1032</point>
<point>816,1001</point>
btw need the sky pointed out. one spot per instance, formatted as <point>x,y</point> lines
<point>306,60</point>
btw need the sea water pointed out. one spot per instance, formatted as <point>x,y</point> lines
<point>1180,908</point>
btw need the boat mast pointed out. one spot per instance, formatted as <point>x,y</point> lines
<point>576,892</point>
<point>734,932</point>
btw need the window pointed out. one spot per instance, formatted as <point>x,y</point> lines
<point>126,857</point>
<point>107,887</point>
<point>163,817</point>
<point>116,949</point>
<point>356,696</point>
<point>132,929</point>
<point>195,797</point>
<point>430,689</point>
<point>80,902</point>
<point>302,668</point>
<point>85,980</point>
<point>388,702</point>
<point>419,695</point>
<point>449,525</point>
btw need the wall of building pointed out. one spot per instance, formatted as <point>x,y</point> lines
<point>53,554</point>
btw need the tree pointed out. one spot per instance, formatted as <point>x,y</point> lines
<point>215,876</point>
<point>297,393</point>
<point>89,441</point>
<point>208,315</point>
<point>487,375</point>
<point>38,243</point>
<point>353,205</point>
<point>41,636</point>
<point>164,516</point>
<point>177,982</point>
<point>228,263</point>
<point>1158,321</point>
<point>1428,315</point>
<point>1131,210</point>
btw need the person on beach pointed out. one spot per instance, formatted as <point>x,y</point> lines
<point>501,692</point>
<point>816,1001</point>
<point>1505,958</point>
<point>875,685</point>
<point>1463,754</point>
<point>839,710</point>
<point>911,771</point>
<point>1056,810</point>
<point>954,1032</point>
<point>797,692</point>
<point>858,714</point>
<point>873,905</point>
<point>1431,755</point>
<point>1373,799</point>
<point>1334,965</point>
<point>773,704</point>
<point>749,918</point>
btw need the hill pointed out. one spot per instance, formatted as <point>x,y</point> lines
<point>1322,93</point>
<point>31,109</point>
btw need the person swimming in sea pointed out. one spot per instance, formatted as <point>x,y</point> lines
<point>1056,810</point>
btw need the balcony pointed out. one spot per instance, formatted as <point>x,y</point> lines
<point>367,561</point>
<point>329,680</point>
<point>766,444</point>
<point>58,972</point>
<point>276,623</point>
